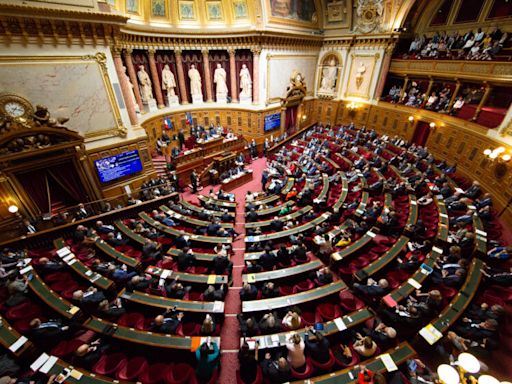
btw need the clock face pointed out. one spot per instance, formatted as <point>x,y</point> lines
<point>14,109</point>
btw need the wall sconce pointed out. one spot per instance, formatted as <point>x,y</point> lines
<point>494,154</point>
<point>432,125</point>
<point>304,117</point>
<point>411,119</point>
<point>13,209</point>
<point>352,106</point>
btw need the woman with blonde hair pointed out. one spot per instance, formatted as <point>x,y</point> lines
<point>296,357</point>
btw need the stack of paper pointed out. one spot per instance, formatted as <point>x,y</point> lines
<point>340,324</point>
<point>63,252</point>
<point>388,362</point>
<point>430,334</point>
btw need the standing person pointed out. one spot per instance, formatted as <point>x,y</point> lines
<point>181,138</point>
<point>207,356</point>
<point>194,179</point>
<point>264,178</point>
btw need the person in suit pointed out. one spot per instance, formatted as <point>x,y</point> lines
<point>185,259</point>
<point>212,294</point>
<point>248,292</point>
<point>46,265</point>
<point>150,250</point>
<point>115,241</point>
<point>252,216</point>
<point>372,288</point>
<point>317,346</point>
<point>167,322</point>
<point>474,191</point>
<point>82,212</point>
<point>269,290</point>
<point>181,138</point>
<point>254,267</point>
<point>248,326</point>
<point>103,229</point>
<point>111,311</point>
<point>28,227</point>
<point>270,323</point>
<point>86,355</point>
<point>194,181</point>
<point>222,265</point>
<point>47,330</point>
<point>276,224</point>
<point>267,260</point>
<point>275,370</point>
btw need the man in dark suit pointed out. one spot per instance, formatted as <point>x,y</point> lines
<point>185,259</point>
<point>82,213</point>
<point>181,138</point>
<point>318,345</point>
<point>222,265</point>
<point>252,216</point>
<point>276,224</point>
<point>28,227</point>
<point>267,260</point>
<point>46,330</point>
<point>150,250</point>
<point>115,241</point>
<point>168,322</point>
<point>248,292</point>
<point>103,229</point>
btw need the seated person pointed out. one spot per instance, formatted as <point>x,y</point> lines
<point>86,355</point>
<point>212,294</point>
<point>270,323</point>
<point>269,290</point>
<point>248,292</point>
<point>168,322</point>
<point>292,321</point>
<point>275,371</point>
<point>500,253</point>
<point>208,326</point>
<point>317,345</point>
<point>365,346</point>
<point>323,276</point>
<point>373,288</point>
<point>248,326</point>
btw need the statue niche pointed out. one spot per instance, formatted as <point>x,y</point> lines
<point>329,71</point>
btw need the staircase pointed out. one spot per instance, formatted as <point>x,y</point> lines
<point>160,166</point>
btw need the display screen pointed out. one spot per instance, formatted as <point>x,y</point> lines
<point>272,121</point>
<point>114,167</point>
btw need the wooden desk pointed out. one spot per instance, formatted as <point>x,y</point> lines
<point>164,302</point>
<point>209,257</point>
<point>131,335</point>
<point>274,210</point>
<point>399,354</point>
<point>462,300</point>
<point>301,228</point>
<point>374,267</point>
<point>129,233</point>
<point>223,204</point>
<point>325,188</point>
<point>279,339</point>
<point>83,270</point>
<point>116,255</point>
<point>174,232</point>
<point>187,277</point>
<point>355,246</point>
<point>190,220</point>
<point>480,236</point>
<point>288,187</point>
<point>344,192</point>
<point>282,273</point>
<point>443,228</point>
<point>194,208</point>
<point>406,288</point>
<point>365,196</point>
<point>237,181</point>
<point>413,210</point>
<point>48,296</point>
<point>9,336</point>
<point>290,216</point>
<point>290,300</point>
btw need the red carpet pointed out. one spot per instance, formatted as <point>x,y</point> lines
<point>230,335</point>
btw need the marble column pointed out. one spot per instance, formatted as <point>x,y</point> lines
<point>181,76</point>
<point>486,95</point>
<point>126,89</point>
<point>386,63</point>
<point>207,76</point>
<point>232,75</point>
<point>256,75</point>
<point>157,86</point>
<point>133,76</point>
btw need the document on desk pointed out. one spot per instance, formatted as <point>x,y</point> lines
<point>388,362</point>
<point>340,324</point>
<point>18,344</point>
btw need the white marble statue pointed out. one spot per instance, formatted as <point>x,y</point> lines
<point>219,78</point>
<point>360,71</point>
<point>146,89</point>
<point>168,81</point>
<point>329,75</point>
<point>195,82</point>
<point>245,82</point>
